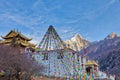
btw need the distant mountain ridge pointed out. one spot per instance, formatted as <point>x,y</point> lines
<point>104,46</point>
<point>107,52</point>
<point>110,62</point>
<point>77,42</point>
<point>112,35</point>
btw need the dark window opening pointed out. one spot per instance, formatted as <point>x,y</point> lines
<point>45,56</point>
<point>88,70</point>
<point>78,58</point>
<point>81,59</point>
<point>60,55</point>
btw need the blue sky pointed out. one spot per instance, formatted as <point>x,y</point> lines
<point>93,19</point>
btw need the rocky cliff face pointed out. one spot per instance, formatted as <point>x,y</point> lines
<point>110,62</point>
<point>108,44</point>
<point>107,52</point>
<point>77,42</point>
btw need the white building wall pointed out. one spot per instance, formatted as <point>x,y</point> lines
<point>68,66</point>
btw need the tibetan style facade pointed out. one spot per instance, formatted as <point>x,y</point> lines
<point>15,38</point>
<point>65,63</point>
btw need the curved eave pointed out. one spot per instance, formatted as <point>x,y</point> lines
<point>24,44</point>
<point>17,34</point>
<point>4,41</point>
<point>91,63</point>
<point>28,39</point>
<point>28,45</point>
<point>24,37</point>
<point>6,37</point>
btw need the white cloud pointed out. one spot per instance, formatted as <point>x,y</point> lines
<point>66,31</point>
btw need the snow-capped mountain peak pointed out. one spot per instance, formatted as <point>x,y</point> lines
<point>77,42</point>
<point>112,35</point>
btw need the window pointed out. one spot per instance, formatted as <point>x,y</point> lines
<point>81,59</point>
<point>78,58</point>
<point>45,56</point>
<point>60,55</point>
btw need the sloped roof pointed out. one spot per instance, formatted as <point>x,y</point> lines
<point>26,44</point>
<point>89,63</point>
<point>5,41</point>
<point>13,33</point>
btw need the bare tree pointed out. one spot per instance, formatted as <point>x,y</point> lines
<point>18,66</point>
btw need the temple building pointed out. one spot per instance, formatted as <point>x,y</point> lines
<point>15,38</point>
<point>65,63</point>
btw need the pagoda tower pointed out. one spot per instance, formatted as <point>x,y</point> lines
<point>15,38</point>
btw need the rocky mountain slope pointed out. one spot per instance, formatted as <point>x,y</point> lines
<point>102,47</point>
<point>110,62</point>
<point>77,42</point>
<point>107,52</point>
